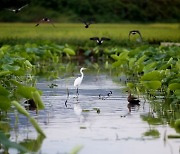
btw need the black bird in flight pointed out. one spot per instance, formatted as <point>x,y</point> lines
<point>87,23</point>
<point>18,9</point>
<point>133,32</point>
<point>44,20</point>
<point>100,40</point>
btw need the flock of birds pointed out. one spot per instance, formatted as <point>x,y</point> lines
<point>30,104</point>
<point>86,23</point>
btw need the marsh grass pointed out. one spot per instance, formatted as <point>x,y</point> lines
<point>78,35</point>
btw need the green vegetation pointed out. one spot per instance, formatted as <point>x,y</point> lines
<point>101,10</point>
<point>27,52</point>
<point>76,34</point>
<point>18,67</point>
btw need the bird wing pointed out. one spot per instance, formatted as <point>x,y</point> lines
<point>136,31</point>
<point>39,22</point>
<point>105,38</point>
<point>94,38</point>
<point>139,34</point>
<point>83,21</point>
<point>51,23</point>
<point>22,7</point>
<point>13,10</point>
<point>77,82</point>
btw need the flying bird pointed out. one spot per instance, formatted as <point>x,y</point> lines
<point>100,40</point>
<point>78,80</point>
<point>87,23</point>
<point>18,9</point>
<point>133,32</point>
<point>44,20</point>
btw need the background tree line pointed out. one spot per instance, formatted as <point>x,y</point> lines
<point>101,10</point>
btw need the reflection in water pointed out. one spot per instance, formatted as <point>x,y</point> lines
<point>131,106</point>
<point>94,123</point>
<point>33,145</point>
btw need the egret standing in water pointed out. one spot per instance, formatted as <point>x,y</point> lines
<point>78,80</point>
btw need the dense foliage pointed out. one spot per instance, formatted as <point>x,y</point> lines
<point>101,10</point>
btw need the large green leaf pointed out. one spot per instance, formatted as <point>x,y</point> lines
<point>150,67</point>
<point>174,86</point>
<point>26,91</point>
<point>177,93</point>
<point>37,99</point>
<point>115,57</point>
<point>3,73</point>
<point>3,91</point>
<point>151,76</point>
<point>154,85</point>
<point>5,103</point>
<point>8,67</point>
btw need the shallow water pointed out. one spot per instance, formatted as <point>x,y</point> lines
<point>113,130</point>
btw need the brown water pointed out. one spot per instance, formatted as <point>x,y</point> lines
<point>114,130</point>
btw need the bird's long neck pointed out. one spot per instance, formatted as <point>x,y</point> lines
<point>82,75</point>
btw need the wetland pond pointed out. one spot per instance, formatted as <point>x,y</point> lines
<point>91,124</point>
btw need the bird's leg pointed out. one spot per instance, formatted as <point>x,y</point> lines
<point>77,91</point>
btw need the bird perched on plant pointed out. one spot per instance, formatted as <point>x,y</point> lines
<point>18,9</point>
<point>133,32</point>
<point>78,80</point>
<point>44,20</point>
<point>132,99</point>
<point>100,40</point>
<point>87,23</point>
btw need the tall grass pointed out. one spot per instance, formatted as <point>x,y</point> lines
<point>77,34</point>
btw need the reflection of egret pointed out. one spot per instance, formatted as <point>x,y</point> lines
<point>78,80</point>
<point>77,109</point>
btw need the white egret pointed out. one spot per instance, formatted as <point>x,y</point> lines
<point>78,80</point>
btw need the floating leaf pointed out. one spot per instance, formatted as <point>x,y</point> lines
<point>153,133</point>
<point>174,136</point>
